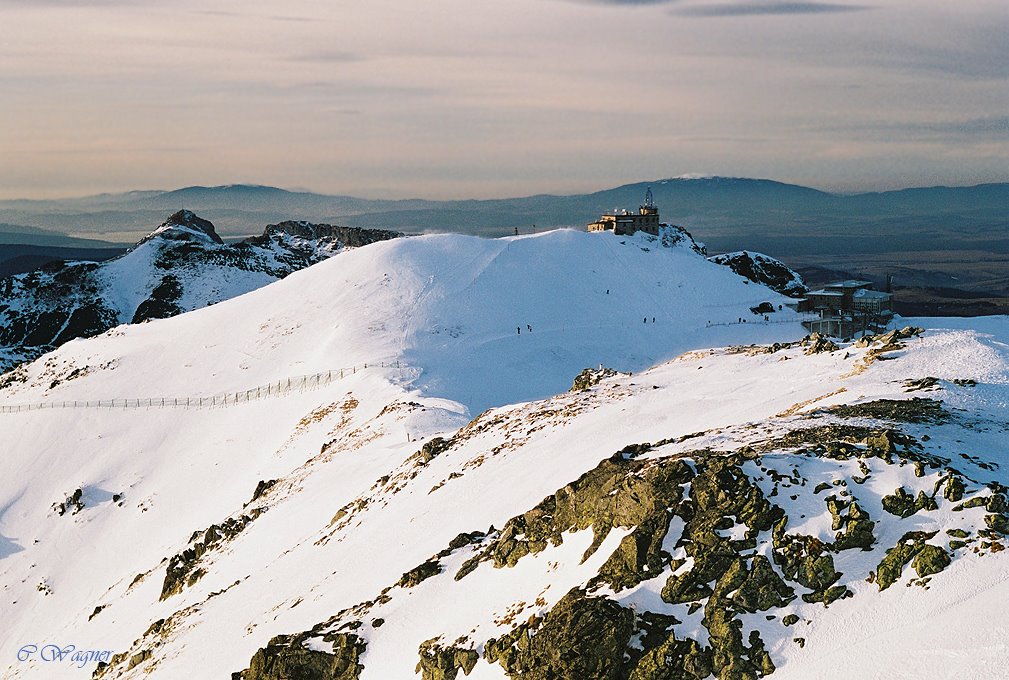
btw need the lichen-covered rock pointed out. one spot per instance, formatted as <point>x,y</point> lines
<point>916,410</point>
<point>996,503</point>
<point>591,377</point>
<point>902,504</point>
<point>286,658</point>
<point>420,573</point>
<point>762,589</point>
<point>581,637</point>
<point>804,559</point>
<point>639,554</point>
<point>931,559</point>
<point>999,523</point>
<point>954,489</point>
<point>444,663</point>
<point>673,659</point>
<point>619,492</point>
<point>858,528</point>
<point>892,564</point>
<point>731,659</point>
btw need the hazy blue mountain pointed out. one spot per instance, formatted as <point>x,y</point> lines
<point>35,236</point>
<point>785,220</point>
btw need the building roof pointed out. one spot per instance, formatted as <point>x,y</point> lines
<point>849,284</point>
<point>864,294</point>
<point>825,293</point>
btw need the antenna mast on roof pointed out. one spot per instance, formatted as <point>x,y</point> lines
<point>649,199</point>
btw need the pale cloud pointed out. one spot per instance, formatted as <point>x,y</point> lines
<point>744,9</point>
<point>457,98</point>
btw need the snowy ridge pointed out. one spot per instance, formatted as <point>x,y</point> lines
<point>324,531</point>
<point>182,265</point>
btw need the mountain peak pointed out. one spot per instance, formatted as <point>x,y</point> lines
<point>185,225</point>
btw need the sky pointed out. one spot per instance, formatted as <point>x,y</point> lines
<point>481,99</point>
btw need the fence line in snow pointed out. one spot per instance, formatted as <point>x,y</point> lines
<point>761,322</point>
<point>277,388</point>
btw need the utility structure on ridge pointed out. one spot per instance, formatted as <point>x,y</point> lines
<point>626,223</point>
<point>847,308</point>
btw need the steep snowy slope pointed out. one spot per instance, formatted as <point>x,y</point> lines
<point>182,265</point>
<point>200,534</point>
<point>459,309</point>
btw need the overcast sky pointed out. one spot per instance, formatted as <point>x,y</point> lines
<point>493,98</point>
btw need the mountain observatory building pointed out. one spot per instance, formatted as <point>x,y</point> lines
<point>626,223</point>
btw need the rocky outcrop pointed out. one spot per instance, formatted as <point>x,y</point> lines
<point>184,225</point>
<point>286,658</point>
<point>591,377</point>
<point>184,569</point>
<point>763,270</point>
<point>709,531</point>
<point>72,504</point>
<point>816,343</point>
<point>180,266</point>
<point>438,662</point>
<point>348,237</point>
<point>581,637</point>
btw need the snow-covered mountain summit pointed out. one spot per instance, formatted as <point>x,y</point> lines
<point>185,225</point>
<point>710,507</point>
<point>487,322</point>
<point>182,265</point>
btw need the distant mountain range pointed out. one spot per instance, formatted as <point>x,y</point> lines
<point>727,213</point>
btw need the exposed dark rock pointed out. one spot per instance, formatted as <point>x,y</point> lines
<point>931,559</point>
<point>998,523</point>
<point>430,450</point>
<point>916,410</point>
<point>183,569</point>
<point>581,637</point>
<point>73,504</point>
<point>927,383</point>
<point>350,237</point>
<point>816,343</point>
<point>903,504</point>
<point>286,658</point>
<point>162,303</point>
<point>590,377</point>
<point>890,568</point>
<point>954,489</point>
<point>765,270</point>
<point>419,574</point>
<point>804,559</point>
<point>444,663</point>
<point>855,522</point>
<point>262,487</point>
<point>619,492</point>
<point>187,225</point>
<point>43,309</point>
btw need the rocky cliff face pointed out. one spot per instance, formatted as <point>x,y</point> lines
<point>182,265</point>
<point>763,269</point>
